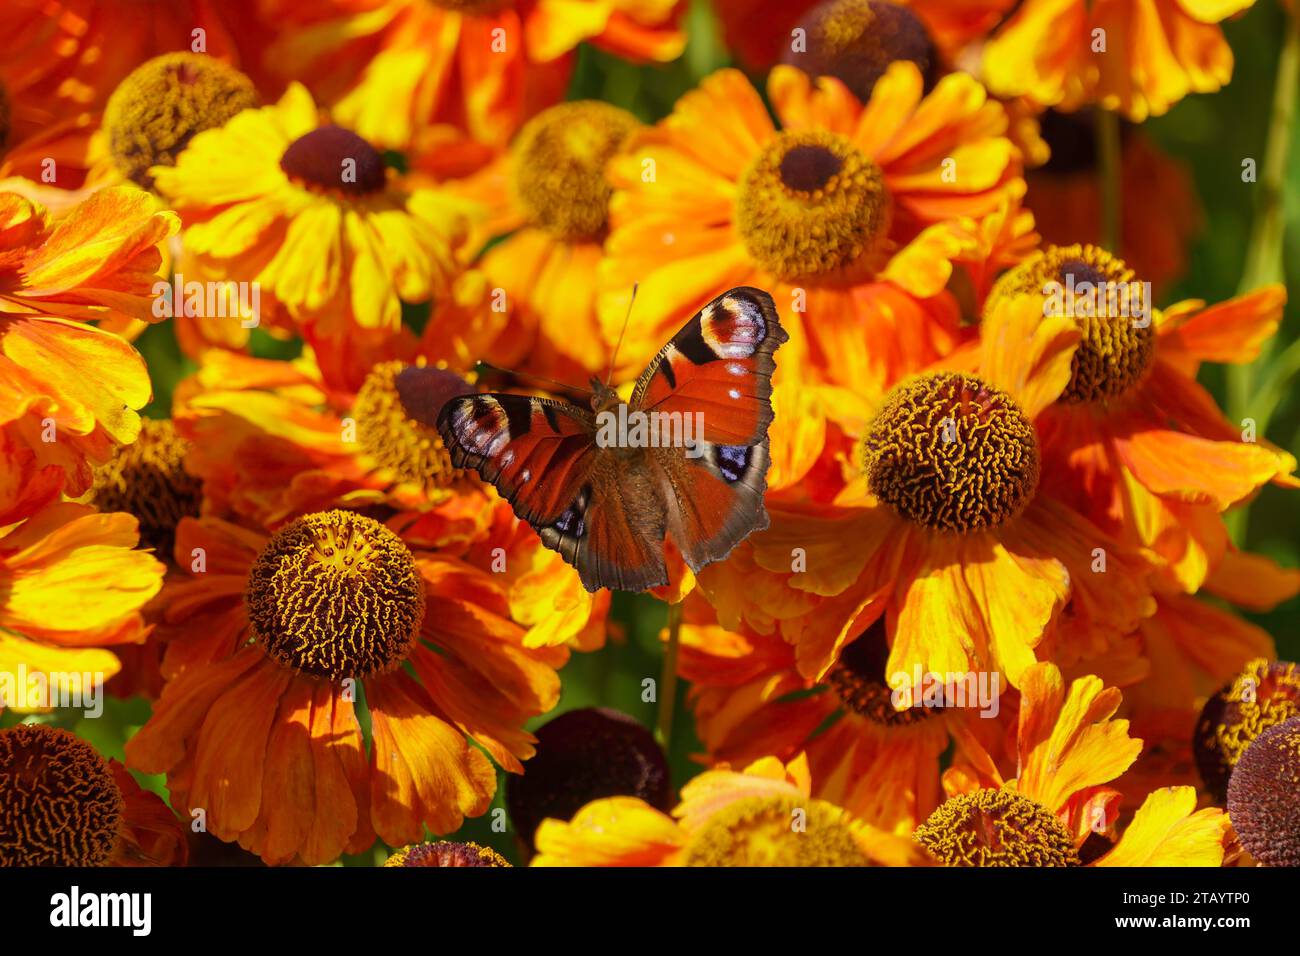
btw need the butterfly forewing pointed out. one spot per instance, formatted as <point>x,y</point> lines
<point>608,510</point>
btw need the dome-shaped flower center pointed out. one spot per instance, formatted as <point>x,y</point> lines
<point>1261,696</point>
<point>334,595</point>
<point>1110,307</point>
<point>446,853</point>
<point>164,103</point>
<point>395,412</point>
<point>148,479</point>
<point>584,755</point>
<point>859,680</point>
<point>775,831</point>
<point>952,453</point>
<point>559,166</point>
<point>812,206</point>
<point>855,41</point>
<point>1264,796</point>
<point>331,159</point>
<point>996,828</point>
<point>59,804</point>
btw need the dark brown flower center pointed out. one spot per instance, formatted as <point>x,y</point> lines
<point>1264,796</point>
<point>148,479</point>
<point>445,853</point>
<point>811,205</point>
<point>59,804</point>
<point>855,41</point>
<point>1263,695</point>
<point>859,680</point>
<point>334,159</point>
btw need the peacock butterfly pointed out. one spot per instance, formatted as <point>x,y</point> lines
<point>687,456</point>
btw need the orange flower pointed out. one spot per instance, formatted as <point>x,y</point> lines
<point>862,32</point>
<point>63,58</point>
<point>98,263</point>
<point>62,804</point>
<point>548,196</point>
<point>748,697</point>
<point>946,526</point>
<point>725,818</point>
<point>259,724</point>
<point>1057,809</point>
<point>1136,56</point>
<point>274,440</point>
<point>455,76</point>
<point>844,214</point>
<point>71,584</point>
<point>1134,442</point>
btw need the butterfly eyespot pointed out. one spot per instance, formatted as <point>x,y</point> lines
<point>733,461</point>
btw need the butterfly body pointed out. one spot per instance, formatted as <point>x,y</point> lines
<point>692,465</point>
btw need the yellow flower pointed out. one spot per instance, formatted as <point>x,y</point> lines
<point>310,211</point>
<point>762,816</point>
<point>1057,810</point>
<point>71,584</point>
<point>459,76</point>
<point>845,214</point>
<point>1136,56</point>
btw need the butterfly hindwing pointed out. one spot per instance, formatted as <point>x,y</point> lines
<point>718,367</point>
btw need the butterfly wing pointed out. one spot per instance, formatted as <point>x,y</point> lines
<point>717,370</point>
<point>604,514</point>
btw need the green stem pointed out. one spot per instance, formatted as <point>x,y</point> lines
<point>668,678</point>
<point>1245,397</point>
<point>1109,162</point>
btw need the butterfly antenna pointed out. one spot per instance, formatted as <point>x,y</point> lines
<point>623,331</point>
<point>536,378</point>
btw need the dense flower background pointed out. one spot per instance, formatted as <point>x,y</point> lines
<point>248,250</point>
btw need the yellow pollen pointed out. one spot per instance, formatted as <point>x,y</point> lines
<point>952,453</point>
<point>148,479</point>
<point>996,828</point>
<point>411,449</point>
<point>776,831</point>
<point>812,206</point>
<point>1263,695</point>
<point>559,166</point>
<point>164,103</point>
<point>59,803</point>
<point>1111,308</point>
<point>335,595</point>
